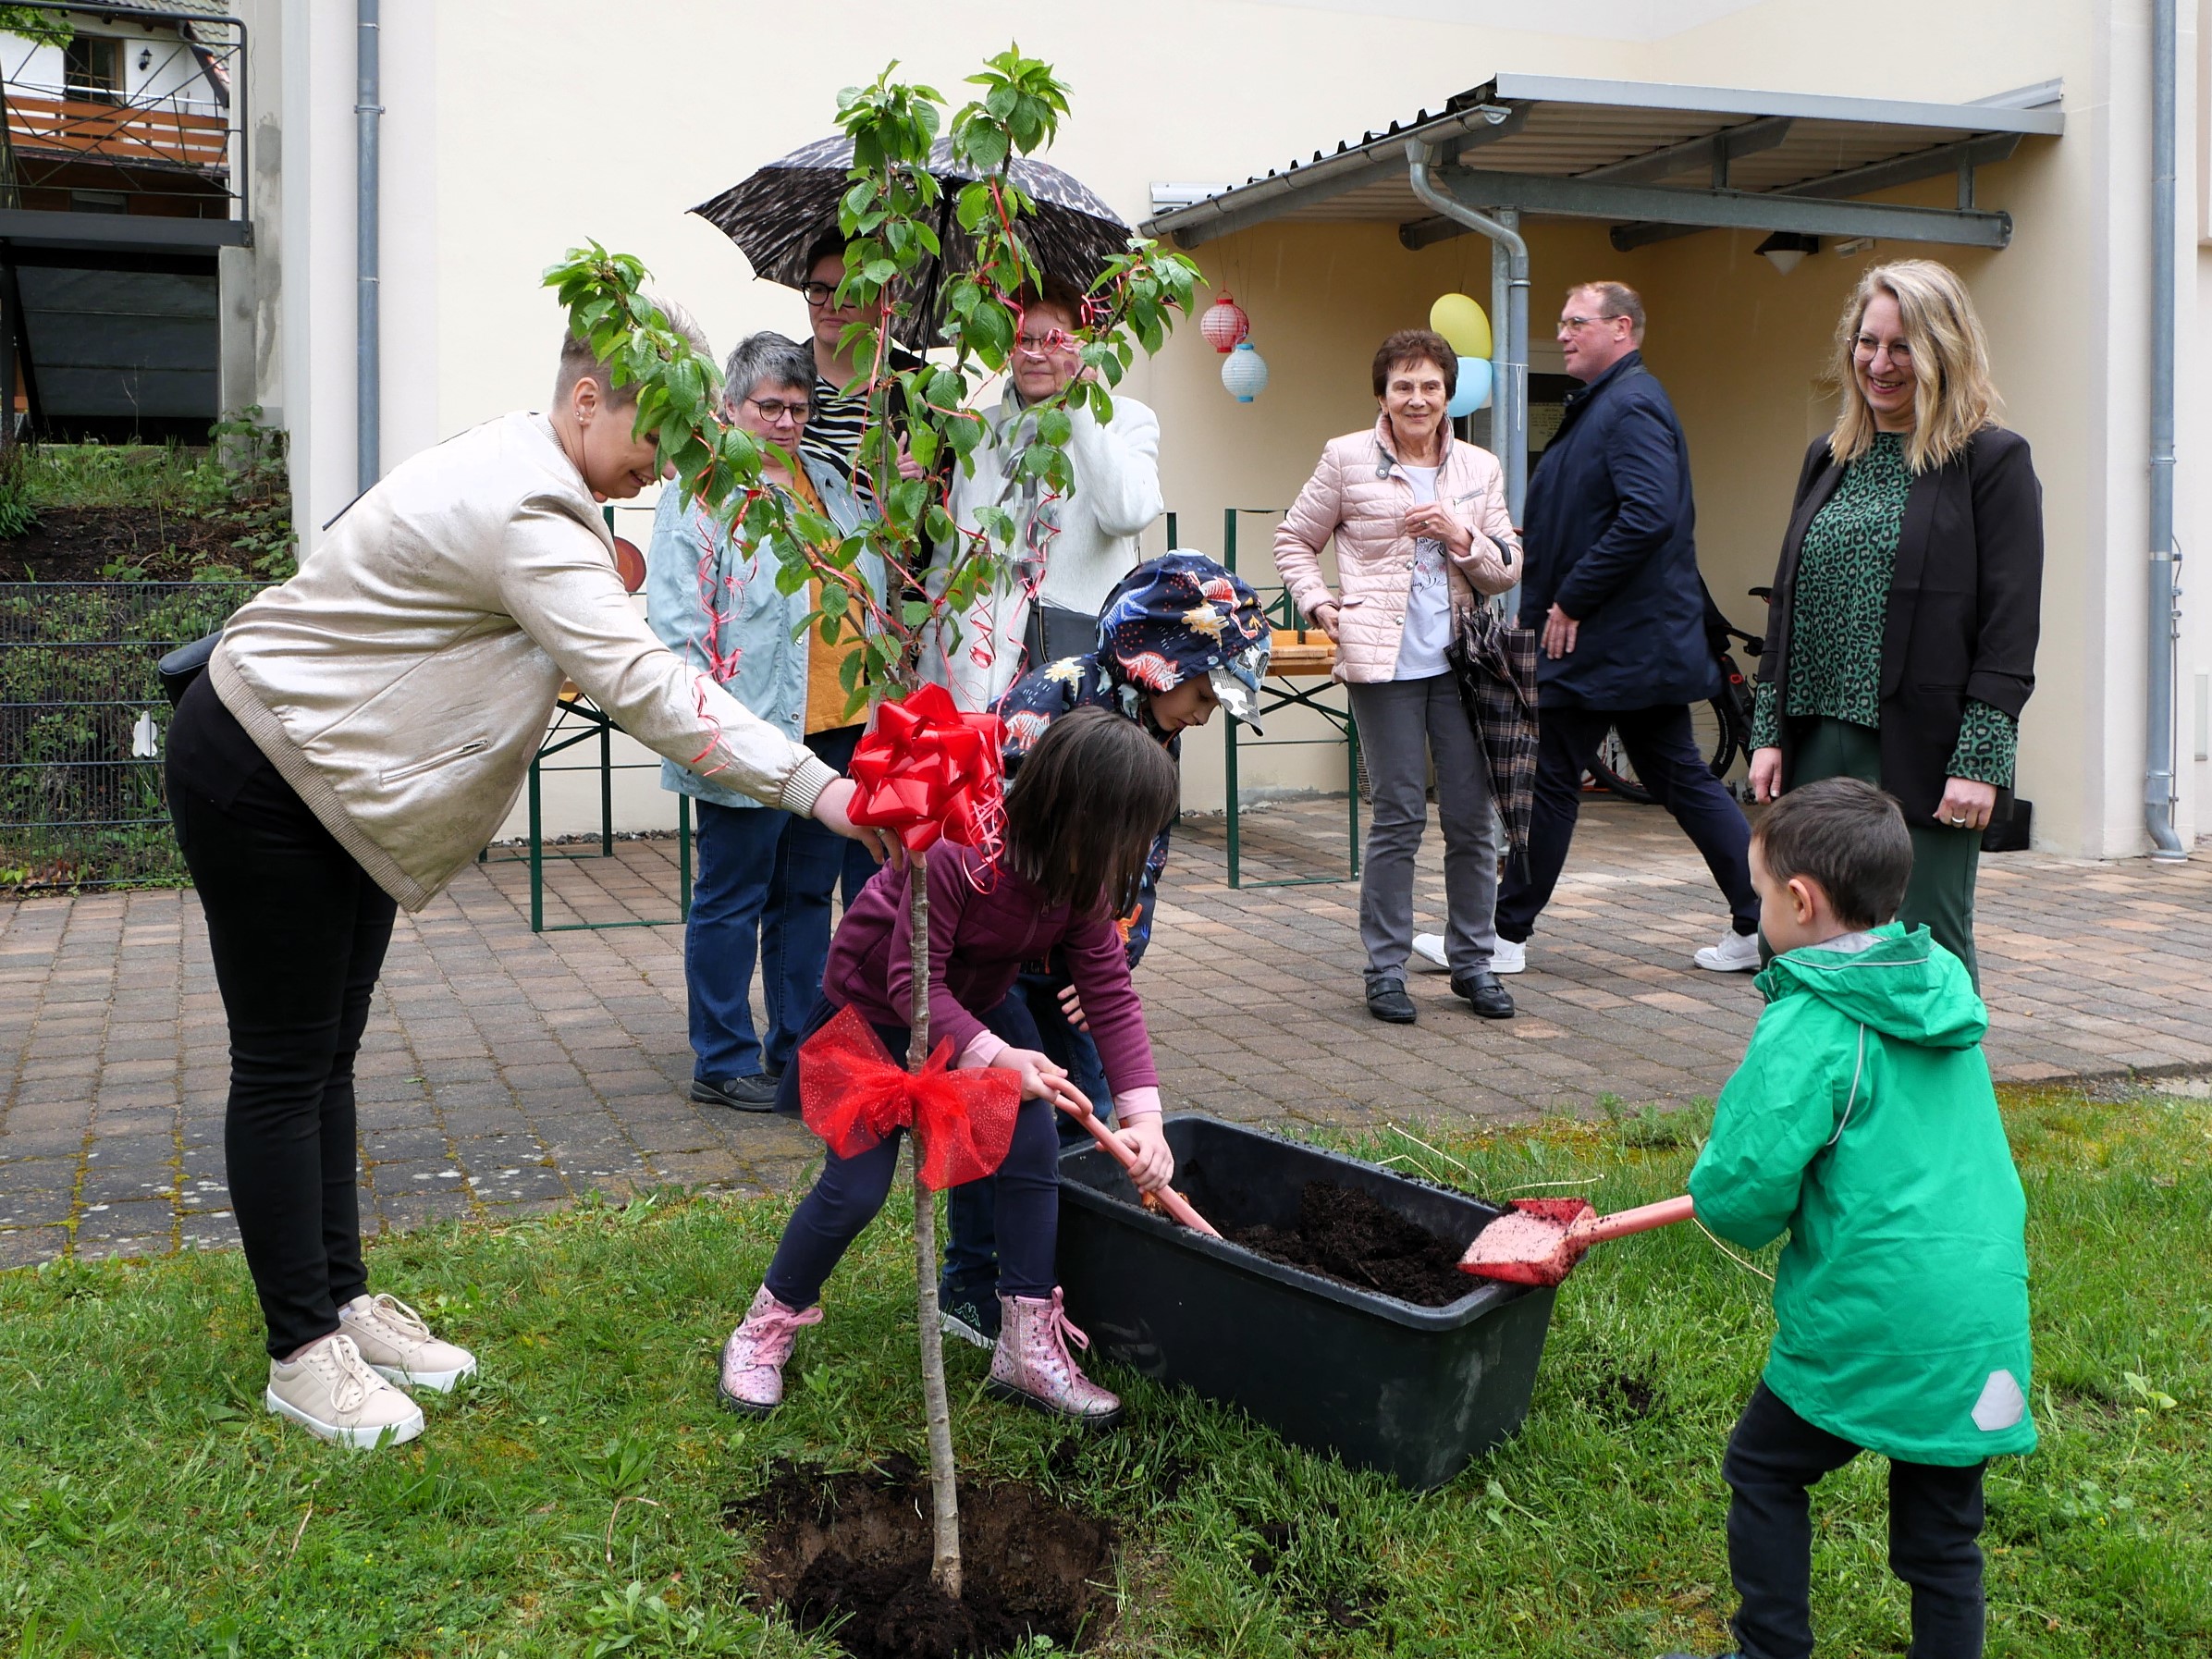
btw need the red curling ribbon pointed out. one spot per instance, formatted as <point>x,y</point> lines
<point>927,771</point>
<point>853,1094</point>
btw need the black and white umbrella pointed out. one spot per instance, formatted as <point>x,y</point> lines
<point>775,214</point>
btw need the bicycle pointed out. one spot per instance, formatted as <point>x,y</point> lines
<point>1721,727</point>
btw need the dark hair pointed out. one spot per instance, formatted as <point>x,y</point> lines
<point>1850,838</point>
<point>1082,811</point>
<point>1619,300</point>
<point>1415,345</point>
<point>829,244</point>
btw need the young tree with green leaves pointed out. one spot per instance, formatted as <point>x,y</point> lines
<point>935,571</point>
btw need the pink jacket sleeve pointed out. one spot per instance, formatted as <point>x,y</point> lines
<point>1306,529</point>
<point>1493,562</point>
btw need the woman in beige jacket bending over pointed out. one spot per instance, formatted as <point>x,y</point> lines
<point>1421,528</point>
<point>360,733</point>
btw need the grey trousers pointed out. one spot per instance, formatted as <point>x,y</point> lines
<point>1402,724</point>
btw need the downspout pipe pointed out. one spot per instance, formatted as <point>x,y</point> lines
<point>367,359</point>
<point>1513,361</point>
<point>2165,593</point>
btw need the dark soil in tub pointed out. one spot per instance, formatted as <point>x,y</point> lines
<point>852,1551</point>
<point>1346,1236</point>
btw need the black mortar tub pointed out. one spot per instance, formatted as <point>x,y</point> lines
<point>1386,1384</point>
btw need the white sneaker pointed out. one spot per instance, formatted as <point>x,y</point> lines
<point>1736,953</point>
<point>331,1393</point>
<point>1509,957</point>
<point>1428,955</point>
<point>399,1347</point>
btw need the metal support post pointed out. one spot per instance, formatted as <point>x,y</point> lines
<point>683,879</point>
<point>537,855</point>
<point>607,788</point>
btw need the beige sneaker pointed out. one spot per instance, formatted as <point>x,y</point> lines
<point>331,1394</point>
<point>399,1347</point>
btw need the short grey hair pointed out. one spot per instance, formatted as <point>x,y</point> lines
<point>766,359</point>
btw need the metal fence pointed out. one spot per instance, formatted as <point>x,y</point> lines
<point>83,724</point>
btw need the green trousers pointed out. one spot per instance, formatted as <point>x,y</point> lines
<point>1945,861</point>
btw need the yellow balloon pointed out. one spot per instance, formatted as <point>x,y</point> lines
<point>1461,322</point>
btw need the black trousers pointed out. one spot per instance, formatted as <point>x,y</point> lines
<point>849,1191</point>
<point>299,932</point>
<point>1934,1518</point>
<point>1667,763</point>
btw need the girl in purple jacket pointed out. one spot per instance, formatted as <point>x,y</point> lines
<point>1080,819</point>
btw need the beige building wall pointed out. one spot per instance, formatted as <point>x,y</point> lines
<point>502,148</point>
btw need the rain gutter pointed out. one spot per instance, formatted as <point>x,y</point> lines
<point>1511,342</point>
<point>2165,595</point>
<point>368,411</point>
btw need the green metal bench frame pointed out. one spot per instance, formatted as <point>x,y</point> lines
<point>1283,612</point>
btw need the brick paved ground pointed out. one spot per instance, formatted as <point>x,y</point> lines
<point>505,1072</point>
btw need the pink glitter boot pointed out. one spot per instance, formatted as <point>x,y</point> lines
<point>1032,1364</point>
<point>753,1358</point>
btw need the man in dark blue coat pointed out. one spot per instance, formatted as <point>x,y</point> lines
<point>1612,582</point>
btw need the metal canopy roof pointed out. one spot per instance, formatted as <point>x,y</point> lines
<point>1658,160</point>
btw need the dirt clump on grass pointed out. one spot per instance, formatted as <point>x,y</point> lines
<point>1346,1235</point>
<point>849,1554</point>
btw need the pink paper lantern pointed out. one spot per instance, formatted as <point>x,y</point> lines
<point>1224,324</point>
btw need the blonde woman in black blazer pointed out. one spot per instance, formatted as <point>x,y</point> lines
<point>1907,602</point>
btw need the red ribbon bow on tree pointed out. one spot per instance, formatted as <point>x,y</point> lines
<point>929,770</point>
<point>853,1094</point>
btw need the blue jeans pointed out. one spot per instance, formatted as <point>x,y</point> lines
<point>762,891</point>
<point>971,1211</point>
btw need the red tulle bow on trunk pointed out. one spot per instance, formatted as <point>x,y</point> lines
<point>853,1094</point>
<point>929,770</point>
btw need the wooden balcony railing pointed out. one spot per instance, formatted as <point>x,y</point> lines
<point>163,134</point>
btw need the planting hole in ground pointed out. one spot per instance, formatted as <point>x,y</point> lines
<point>849,1554</point>
<point>1346,1236</point>
<point>1621,1396</point>
<point>1347,1601</point>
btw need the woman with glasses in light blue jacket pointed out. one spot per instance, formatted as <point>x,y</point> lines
<point>765,877</point>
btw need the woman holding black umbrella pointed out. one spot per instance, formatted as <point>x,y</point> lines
<point>833,429</point>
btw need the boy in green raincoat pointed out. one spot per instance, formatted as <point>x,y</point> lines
<point>1862,1122</point>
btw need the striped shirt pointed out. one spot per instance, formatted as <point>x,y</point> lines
<point>832,435</point>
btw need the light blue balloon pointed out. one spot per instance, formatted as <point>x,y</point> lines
<point>1474,388</point>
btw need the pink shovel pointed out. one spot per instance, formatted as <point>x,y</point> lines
<point>1072,1102</point>
<point>1539,1240</point>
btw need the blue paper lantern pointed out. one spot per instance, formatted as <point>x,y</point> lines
<point>1244,372</point>
<point>1473,391</point>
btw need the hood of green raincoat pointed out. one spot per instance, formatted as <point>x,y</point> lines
<point>1903,985</point>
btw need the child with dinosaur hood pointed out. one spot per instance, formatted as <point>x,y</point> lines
<point>1178,637</point>
<point>1862,1122</point>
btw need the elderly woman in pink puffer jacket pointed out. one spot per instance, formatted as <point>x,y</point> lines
<point>1421,529</point>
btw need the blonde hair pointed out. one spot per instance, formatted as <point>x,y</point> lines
<point>1950,361</point>
<point>579,361</point>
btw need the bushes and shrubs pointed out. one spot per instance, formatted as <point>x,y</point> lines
<point>111,554</point>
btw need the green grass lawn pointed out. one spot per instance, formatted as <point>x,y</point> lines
<point>570,1502</point>
<point>117,475</point>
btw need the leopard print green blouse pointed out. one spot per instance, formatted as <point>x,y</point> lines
<point>1842,599</point>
